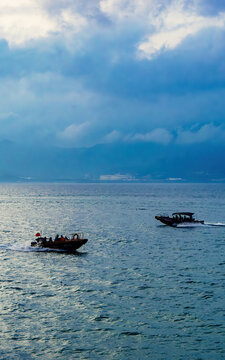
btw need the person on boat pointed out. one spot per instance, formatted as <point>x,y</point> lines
<point>62,238</point>
<point>44,240</point>
<point>57,237</point>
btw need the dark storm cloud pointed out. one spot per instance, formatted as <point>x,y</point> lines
<point>94,88</point>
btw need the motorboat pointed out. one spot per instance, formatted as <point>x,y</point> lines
<point>60,242</point>
<point>177,218</point>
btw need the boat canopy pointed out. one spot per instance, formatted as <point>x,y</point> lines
<point>183,213</point>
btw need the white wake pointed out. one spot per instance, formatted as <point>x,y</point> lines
<point>200,225</point>
<point>27,248</point>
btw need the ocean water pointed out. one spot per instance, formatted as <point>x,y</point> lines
<point>136,290</point>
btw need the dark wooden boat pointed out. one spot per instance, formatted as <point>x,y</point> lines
<point>177,218</point>
<point>60,243</point>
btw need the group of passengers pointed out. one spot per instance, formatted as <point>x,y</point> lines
<point>57,238</point>
<point>182,218</point>
<point>61,238</point>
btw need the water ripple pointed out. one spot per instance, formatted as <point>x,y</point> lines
<point>135,291</point>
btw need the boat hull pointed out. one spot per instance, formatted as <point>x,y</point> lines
<point>166,221</point>
<point>173,222</point>
<point>69,245</point>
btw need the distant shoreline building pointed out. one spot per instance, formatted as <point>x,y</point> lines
<point>117,177</point>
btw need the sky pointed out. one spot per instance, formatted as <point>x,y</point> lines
<point>80,73</point>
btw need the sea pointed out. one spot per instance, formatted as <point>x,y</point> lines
<point>136,290</point>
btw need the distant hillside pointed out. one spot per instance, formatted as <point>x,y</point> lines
<point>143,161</point>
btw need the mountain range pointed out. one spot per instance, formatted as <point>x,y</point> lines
<point>139,161</point>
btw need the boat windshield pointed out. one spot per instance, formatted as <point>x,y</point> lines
<point>183,216</point>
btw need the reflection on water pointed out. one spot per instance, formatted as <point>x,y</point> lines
<point>136,290</point>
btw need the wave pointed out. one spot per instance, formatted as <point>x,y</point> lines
<point>215,224</point>
<point>27,248</point>
<point>189,225</point>
<point>200,225</point>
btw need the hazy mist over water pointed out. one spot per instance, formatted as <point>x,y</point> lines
<point>137,290</point>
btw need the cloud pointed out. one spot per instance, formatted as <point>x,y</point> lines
<point>175,24</point>
<point>52,107</point>
<point>163,25</point>
<point>96,90</point>
<point>159,136</point>
<point>123,9</point>
<point>112,137</point>
<point>74,131</point>
<point>40,106</point>
<point>206,133</point>
<point>209,7</point>
<point>24,21</point>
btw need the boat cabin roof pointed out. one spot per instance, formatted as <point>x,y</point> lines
<point>183,213</point>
